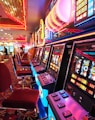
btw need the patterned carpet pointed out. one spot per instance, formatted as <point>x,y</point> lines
<point>11,114</point>
<point>16,114</point>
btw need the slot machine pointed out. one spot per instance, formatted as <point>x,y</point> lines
<point>49,78</point>
<point>77,100</point>
<point>45,60</point>
<point>81,77</point>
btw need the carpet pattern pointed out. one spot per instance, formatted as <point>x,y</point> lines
<point>11,114</point>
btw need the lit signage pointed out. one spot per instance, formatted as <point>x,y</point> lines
<point>84,11</point>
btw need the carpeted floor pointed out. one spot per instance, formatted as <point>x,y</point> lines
<point>11,114</point>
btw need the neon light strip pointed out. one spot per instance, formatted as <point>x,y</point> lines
<point>47,25</point>
<point>73,38</point>
<point>50,23</point>
<point>12,26</point>
<point>53,17</point>
<point>24,10</point>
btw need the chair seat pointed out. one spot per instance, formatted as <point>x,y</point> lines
<point>22,98</point>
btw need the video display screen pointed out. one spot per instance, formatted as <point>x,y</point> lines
<point>83,72</point>
<point>37,52</point>
<point>40,53</point>
<point>84,11</point>
<point>56,57</point>
<point>46,54</point>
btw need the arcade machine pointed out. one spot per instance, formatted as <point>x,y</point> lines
<point>45,60</point>
<point>79,91</point>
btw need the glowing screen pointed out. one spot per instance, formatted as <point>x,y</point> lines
<point>46,54</point>
<point>84,10</point>
<point>56,57</point>
<point>83,72</point>
<point>40,53</point>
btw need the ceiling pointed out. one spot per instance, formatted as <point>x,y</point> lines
<point>35,10</point>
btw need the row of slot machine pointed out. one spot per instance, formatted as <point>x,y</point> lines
<point>66,75</point>
<point>48,63</point>
<point>66,70</point>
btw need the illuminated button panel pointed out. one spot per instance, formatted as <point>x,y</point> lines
<point>65,107</point>
<point>86,85</point>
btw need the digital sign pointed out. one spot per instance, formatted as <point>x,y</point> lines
<point>84,11</point>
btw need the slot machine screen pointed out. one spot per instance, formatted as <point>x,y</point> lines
<point>40,54</point>
<point>56,59</point>
<point>46,54</point>
<point>81,77</point>
<point>84,11</point>
<point>37,52</point>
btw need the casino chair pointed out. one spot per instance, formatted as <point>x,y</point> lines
<point>25,98</point>
<point>21,70</point>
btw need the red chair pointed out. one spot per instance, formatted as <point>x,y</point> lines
<point>26,98</point>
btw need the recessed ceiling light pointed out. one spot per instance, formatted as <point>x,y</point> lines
<point>1,30</point>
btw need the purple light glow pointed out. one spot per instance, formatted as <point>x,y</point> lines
<point>64,9</point>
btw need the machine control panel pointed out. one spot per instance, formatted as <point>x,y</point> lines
<point>65,107</point>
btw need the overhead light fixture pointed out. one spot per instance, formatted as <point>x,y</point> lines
<point>15,12</point>
<point>61,15</point>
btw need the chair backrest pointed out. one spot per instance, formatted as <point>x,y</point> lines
<point>5,77</point>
